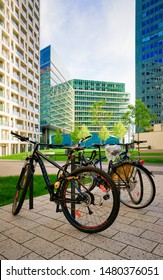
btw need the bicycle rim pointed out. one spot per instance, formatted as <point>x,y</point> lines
<point>91,210</point>
<point>137,188</point>
<point>21,189</point>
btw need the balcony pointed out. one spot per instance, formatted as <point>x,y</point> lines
<point>14,87</point>
<point>4,122</point>
<point>2,80</point>
<point>16,113</point>
<point>2,93</point>
<point>15,100</point>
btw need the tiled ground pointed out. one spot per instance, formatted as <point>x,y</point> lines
<point>43,234</point>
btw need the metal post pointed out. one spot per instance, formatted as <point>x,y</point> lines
<point>31,194</point>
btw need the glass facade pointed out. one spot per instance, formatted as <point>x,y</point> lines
<point>86,92</point>
<point>56,94</point>
<point>149,55</point>
<point>66,102</point>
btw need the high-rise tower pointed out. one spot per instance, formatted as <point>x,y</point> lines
<point>19,73</point>
<point>149,55</point>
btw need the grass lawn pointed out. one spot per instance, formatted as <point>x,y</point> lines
<point>149,157</point>
<point>8,185</point>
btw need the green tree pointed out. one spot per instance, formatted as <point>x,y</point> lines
<point>99,115</point>
<point>75,135</point>
<point>139,115</point>
<point>83,132</point>
<point>58,137</point>
<point>104,133</point>
<point>119,130</point>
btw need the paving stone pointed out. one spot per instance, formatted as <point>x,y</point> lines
<point>25,223</point>
<point>30,215</point>
<point>145,217</point>
<point>2,257</point>
<point>125,219</point>
<point>50,214</point>
<point>7,208</point>
<point>66,255</point>
<point>136,234</point>
<point>42,247</point>
<point>19,235</point>
<point>8,217</point>
<point>146,225</point>
<point>105,243</point>
<point>38,208</point>
<point>42,198</point>
<point>46,233</point>
<point>109,232</point>
<point>32,256</point>
<point>100,254</point>
<point>12,250</point>
<point>77,247</point>
<point>48,222</point>
<point>159,222</point>
<point>71,231</point>
<point>5,225</point>
<point>154,214</point>
<point>154,236</point>
<point>135,241</point>
<point>132,253</point>
<point>154,208</point>
<point>2,237</point>
<point>159,250</point>
<point>127,228</point>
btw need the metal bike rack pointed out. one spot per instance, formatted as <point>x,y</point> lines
<point>31,194</point>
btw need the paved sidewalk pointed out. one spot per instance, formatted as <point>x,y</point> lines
<point>42,233</point>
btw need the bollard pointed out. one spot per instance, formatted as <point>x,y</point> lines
<point>31,194</point>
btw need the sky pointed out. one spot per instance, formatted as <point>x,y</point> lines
<point>95,39</point>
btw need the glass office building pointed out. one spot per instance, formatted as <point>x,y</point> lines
<point>87,92</point>
<point>149,55</point>
<point>66,102</point>
<point>56,94</point>
<point>19,73</point>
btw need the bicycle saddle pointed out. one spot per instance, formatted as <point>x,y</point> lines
<point>98,145</point>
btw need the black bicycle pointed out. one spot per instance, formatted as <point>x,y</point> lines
<point>89,210</point>
<point>134,182</point>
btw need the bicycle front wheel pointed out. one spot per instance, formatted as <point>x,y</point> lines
<point>21,188</point>
<point>90,210</point>
<point>137,188</point>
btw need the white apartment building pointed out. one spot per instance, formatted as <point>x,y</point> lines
<point>19,73</point>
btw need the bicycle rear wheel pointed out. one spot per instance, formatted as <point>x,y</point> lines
<point>21,188</point>
<point>88,210</point>
<point>137,188</point>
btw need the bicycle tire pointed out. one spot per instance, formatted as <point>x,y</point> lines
<point>136,185</point>
<point>96,209</point>
<point>21,189</point>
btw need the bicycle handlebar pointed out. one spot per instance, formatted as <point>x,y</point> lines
<point>26,139</point>
<point>84,138</point>
<point>21,138</point>
<point>129,144</point>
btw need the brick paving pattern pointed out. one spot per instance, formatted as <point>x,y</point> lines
<point>41,233</point>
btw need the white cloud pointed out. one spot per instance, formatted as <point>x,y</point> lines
<point>94,38</point>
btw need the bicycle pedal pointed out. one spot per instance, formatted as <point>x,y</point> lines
<point>107,196</point>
